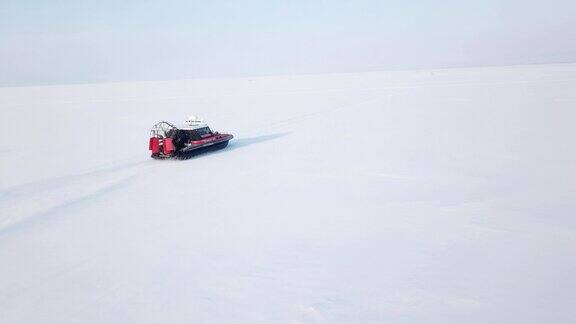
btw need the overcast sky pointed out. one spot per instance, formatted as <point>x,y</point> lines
<point>78,41</point>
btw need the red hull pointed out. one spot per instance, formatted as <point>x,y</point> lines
<point>209,143</point>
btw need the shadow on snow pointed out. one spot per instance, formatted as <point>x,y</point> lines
<point>242,142</point>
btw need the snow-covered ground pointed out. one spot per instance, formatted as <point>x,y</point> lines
<point>443,196</point>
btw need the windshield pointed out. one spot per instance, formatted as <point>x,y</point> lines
<point>201,132</point>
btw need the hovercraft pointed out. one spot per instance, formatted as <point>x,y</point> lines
<point>193,138</point>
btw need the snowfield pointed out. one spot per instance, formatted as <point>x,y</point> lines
<point>442,196</point>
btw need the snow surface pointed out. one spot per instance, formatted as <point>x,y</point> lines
<point>443,196</point>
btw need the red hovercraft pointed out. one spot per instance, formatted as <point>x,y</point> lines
<point>195,137</point>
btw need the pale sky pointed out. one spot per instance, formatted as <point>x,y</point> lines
<point>80,41</point>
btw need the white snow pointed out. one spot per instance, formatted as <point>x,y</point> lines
<point>442,196</point>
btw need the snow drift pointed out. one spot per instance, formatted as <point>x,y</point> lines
<point>423,196</point>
